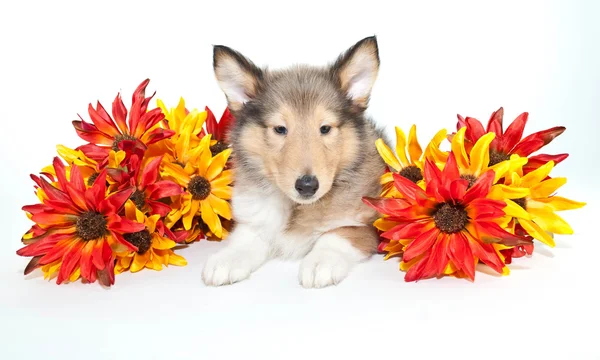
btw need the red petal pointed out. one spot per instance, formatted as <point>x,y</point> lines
<point>120,239</point>
<point>495,122</point>
<point>159,134</point>
<point>121,225</point>
<point>421,244</point>
<point>61,173</point>
<point>487,254</point>
<point>102,120</point>
<point>537,140</point>
<point>407,188</point>
<point>226,122</point>
<point>461,255</point>
<point>97,251</point>
<point>137,105</point>
<point>69,262</point>
<point>150,172</point>
<point>481,187</point>
<point>461,122</point>
<point>115,202</point>
<point>92,135</point>
<point>474,130</point>
<point>211,123</point>
<point>387,206</point>
<point>94,196</point>
<point>120,113</point>
<point>458,189</point>
<point>536,161</point>
<point>514,133</point>
<point>418,271</point>
<point>158,208</point>
<point>490,232</point>
<point>487,209</point>
<point>163,188</point>
<point>32,265</point>
<point>147,121</point>
<point>405,230</point>
<point>438,259</point>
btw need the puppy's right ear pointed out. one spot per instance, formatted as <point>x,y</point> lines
<point>237,76</point>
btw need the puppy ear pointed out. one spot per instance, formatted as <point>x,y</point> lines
<point>356,70</point>
<point>237,76</point>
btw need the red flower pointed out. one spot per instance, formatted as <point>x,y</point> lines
<point>511,141</point>
<point>105,133</point>
<point>519,250</point>
<point>446,228</point>
<point>148,189</point>
<point>77,228</point>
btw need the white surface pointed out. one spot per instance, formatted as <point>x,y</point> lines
<point>437,60</point>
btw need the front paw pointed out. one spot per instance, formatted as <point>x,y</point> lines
<point>322,268</point>
<point>226,267</point>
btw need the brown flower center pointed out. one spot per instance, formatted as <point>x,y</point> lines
<point>522,202</point>
<point>91,225</point>
<point>120,138</point>
<point>470,178</point>
<point>92,178</point>
<point>199,187</point>
<point>138,198</point>
<point>450,218</point>
<point>141,239</point>
<point>412,173</point>
<point>497,157</point>
<point>218,147</point>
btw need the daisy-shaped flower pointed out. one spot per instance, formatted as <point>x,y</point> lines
<point>122,133</point>
<point>218,130</point>
<point>511,141</point>
<point>409,160</point>
<point>154,248</point>
<point>207,189</point>
<point>149,190</point>
<point>446,228</point>
<point>80,227</point>
<point>530,200</point>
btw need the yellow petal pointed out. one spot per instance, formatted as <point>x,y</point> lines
<point>383,224</point>
<point>162,243</point>
<point>130,210</point>
<point>534,230</point>
<point>176,172</point>
<point>537,176</point>
<point>501,192</point>
<point>224,179</point>
<point>414,149</point>
<point>177,260</point>
<point>433,151</point>
<point>189,215</point>
<point>139,262</point>
<point>211,219</point>
<point>205,156</point>
<point>401,147</point>
<point>222,192</point>
<point>217,164</point>
<point>514,210</point>
<point>480,154</point>
<point>458,148</point>
<point>221,207</point>
<point>387,155</point>
<point>547,187</point>
<point>150,222</point>
<point>386,178</point>
<point>549,221</point>
<point>75,275</point>
<point>558,203</point>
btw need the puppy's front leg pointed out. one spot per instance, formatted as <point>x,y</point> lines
<point>335,253</point>
<point>246,252</point>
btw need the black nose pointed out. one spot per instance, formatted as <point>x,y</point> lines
<point>307,185</point>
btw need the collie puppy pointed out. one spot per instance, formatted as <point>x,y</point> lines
<point>303,155</point>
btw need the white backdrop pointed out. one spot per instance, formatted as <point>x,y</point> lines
<point>438,59</point>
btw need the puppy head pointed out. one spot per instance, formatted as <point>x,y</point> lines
<point>300,127</point>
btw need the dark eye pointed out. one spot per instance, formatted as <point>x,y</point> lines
<point>281,130</point>
<point>325,129</point>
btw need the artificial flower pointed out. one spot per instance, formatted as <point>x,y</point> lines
<point>140,130</point>
<point>154,248</point>
<point>149,190</point>
<point>511,141</point>
<point>207,187</point>
<point>446,227</point>
<point>79,227</point>
<point>531,201</point>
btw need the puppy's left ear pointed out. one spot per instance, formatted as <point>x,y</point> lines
<point>356,70</point>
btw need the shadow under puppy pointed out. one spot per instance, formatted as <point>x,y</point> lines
<point>304,156</point>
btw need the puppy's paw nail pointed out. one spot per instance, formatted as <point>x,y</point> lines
<point>321,270</point>
<point>224,269</point>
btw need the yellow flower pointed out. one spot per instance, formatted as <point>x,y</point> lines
<point>207,187</point>
<point>183,145</point>
<point>472,165</point>
<point>89,168</point>
<point>533,204</point>
<point>154,249</point>
<point>410,157</point>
